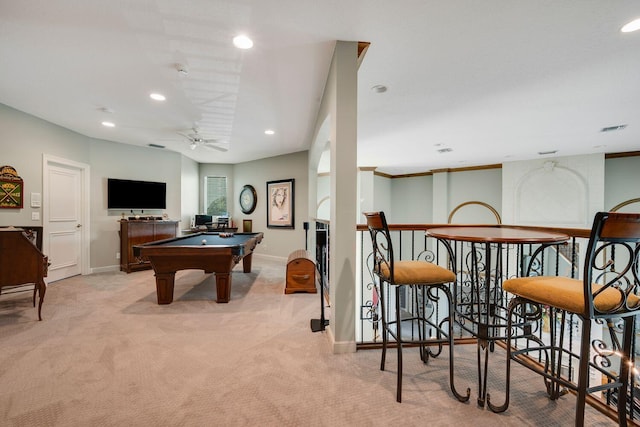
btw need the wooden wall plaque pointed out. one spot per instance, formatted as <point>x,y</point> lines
<point>11,188</point>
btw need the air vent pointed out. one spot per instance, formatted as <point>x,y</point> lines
<point>156,146</point>
<point>445,150</point>
<point>543,153</point>
<point>612,128</point>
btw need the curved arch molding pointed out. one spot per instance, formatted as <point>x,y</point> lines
<point>551,194</point>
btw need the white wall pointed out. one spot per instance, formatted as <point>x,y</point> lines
<point>114,160</point>
<point>323,196</point>
<point>277,241</point>
<point>397,197</point>
<point>189,183</point>
<point>482,185</point>
<point>622,182</point>
<point>25,139</point>
<point>411,200</point>
<point>382,198</point>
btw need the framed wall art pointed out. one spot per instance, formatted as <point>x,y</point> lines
<point>11,188</point>
<point>280,208</point>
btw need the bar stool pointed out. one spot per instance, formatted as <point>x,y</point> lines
<point>608,291</point>
<point>424,279</point>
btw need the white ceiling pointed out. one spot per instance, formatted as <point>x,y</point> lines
<point>493,80</point>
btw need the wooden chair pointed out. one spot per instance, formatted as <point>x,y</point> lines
<point>608,292</point>
<point>22,263</point>
<point>425,279</point>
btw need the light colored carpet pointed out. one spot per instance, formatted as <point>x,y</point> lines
<point>107,355</point>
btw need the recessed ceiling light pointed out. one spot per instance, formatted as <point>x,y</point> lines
<point>269,132</point>
<point>631,26</point>
<point>109,124</point>
<point>157,97</point>
<point>379,88</point>
<point>543,153</point>
<point>242,42</point>
<point>445,150</point>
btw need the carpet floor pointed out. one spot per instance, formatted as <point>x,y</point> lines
<point>106,354</point>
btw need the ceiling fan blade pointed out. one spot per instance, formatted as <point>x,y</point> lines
<point>211,146</point>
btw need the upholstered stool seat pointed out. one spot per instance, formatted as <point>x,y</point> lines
<point>568,294</point>
<point>417,272</point>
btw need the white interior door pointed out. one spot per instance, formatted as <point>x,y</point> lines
<point>64,210</point>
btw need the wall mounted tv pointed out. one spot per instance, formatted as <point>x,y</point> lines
<point>128,194</point>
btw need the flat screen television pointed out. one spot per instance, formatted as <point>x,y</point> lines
<point>129,194</point>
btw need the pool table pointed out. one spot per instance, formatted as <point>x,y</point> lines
<point>212,252</point>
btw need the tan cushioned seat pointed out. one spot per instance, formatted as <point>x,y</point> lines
<point>565,293</point>
<point>415,272</point>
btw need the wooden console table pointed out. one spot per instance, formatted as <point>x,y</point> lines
<point>137,232</point>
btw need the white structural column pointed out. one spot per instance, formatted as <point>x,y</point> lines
<point>342,255</point>
<point>365,192</point>
<point>440,197</point>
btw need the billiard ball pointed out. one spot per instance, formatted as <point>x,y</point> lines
<point>204,241</point>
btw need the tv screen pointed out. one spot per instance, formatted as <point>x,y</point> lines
<point>128,194</point>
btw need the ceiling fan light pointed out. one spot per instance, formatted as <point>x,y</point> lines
<point>242,42</point>
<point>193,145</point>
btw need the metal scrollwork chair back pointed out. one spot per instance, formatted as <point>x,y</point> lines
<point>426,282</point>
<point>608,293</point>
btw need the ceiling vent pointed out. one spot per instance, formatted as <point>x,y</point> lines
<point>156,146</point>
<point>445,150</point>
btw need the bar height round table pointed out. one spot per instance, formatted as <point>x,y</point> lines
<point>481,312</point>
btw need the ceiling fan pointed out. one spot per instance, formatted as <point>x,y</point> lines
<point>196,140</point>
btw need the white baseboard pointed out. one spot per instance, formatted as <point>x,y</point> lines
<point>341,347</point>
<point>107,269</point>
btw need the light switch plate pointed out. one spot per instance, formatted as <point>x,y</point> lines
<point>35,216</point>
<point>36,200</point>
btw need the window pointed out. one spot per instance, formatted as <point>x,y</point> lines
<point>215,195</point>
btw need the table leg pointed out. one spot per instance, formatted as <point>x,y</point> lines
<point>246,263</point>
<point>483,351</point>
<point>42,288</point>
<point>223,287</point>
<point>482,280</point>
<point>164,287</point>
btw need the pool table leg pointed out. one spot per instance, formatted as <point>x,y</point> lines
<point>246,263</point>
<point>164,287</point>
<point>223,287</point>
